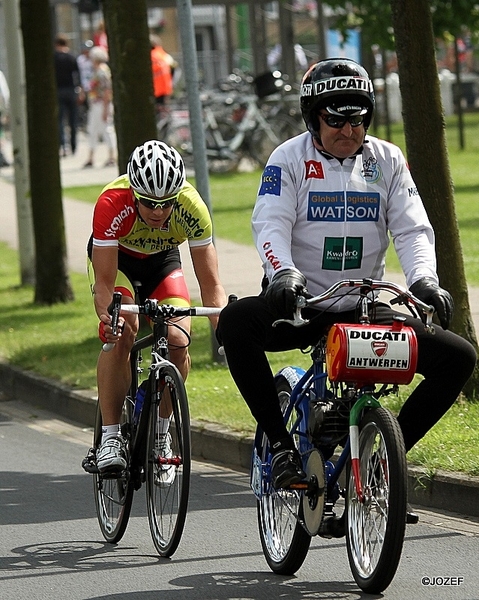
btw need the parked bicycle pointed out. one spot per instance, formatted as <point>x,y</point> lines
<point>158,458</point>
<point>335,404</point>
<point>170,117</point>
<point>235,128</point>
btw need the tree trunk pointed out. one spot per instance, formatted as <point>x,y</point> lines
<point>129,51</point>
<point>52,282</point>
<point>424,130</point>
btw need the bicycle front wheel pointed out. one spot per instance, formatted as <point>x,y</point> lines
<point>284,540</point>
<point>113,496</point>
<point>376,524</point>
<point>168,460</point>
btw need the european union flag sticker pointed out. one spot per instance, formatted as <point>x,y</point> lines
<point>271,181</point>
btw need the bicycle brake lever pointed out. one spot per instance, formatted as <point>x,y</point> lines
<point>296,321</point>
<point>114,310</point>
<point>428,325</point>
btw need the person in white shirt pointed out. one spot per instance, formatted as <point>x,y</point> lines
<point>328,202</point>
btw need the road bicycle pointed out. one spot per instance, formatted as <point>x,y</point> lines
<point>159,458</point>
<point>335,404</point>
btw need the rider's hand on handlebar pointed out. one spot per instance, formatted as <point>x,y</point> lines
<point>283,290</point>
<point>430,292</point>
<point>105,330</point>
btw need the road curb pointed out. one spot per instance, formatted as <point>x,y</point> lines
<point>449,491</point>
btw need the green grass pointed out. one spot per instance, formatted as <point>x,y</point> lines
<point>60,342</point>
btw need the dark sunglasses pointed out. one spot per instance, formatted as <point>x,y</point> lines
<point>339,122</point>
<point>154,204</point>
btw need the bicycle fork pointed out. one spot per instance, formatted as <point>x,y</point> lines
<point>365,401</point>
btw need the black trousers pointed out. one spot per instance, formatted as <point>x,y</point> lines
<point>68,112</point>
<point>245,328</point>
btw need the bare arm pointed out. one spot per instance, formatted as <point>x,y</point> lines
<point>105,266</point>
<point>205,264</point>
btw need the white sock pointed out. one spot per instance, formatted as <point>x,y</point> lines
<point>109,431</point>
<point>164,425</point>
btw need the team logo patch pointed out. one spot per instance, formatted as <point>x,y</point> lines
<point>330,206</point>
<point>271,181</point>
<point>379,348</point>
<point>314,169</point>
<point>371,171</point>
<point>342,253</point>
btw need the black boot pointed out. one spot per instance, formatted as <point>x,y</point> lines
<point>286,468</point>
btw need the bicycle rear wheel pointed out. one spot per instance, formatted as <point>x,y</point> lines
<point>168,464</point>
<point>284,540</point>
<point>113,496</point>
<point>375,527</point>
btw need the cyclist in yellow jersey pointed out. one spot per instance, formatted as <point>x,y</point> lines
<point>139,221</point>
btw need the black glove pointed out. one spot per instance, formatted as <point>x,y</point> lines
<point>283,290</point>
<point>429,292</point>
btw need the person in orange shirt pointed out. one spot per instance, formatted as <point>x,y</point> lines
<point>163,65</point>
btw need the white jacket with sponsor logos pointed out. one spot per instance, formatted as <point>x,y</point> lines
<point>332,220</point>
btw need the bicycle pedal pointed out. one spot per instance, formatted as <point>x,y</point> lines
<point>301,485</point>
<point>89,462</point>
<point>113,474</point>
<point>333,527</point>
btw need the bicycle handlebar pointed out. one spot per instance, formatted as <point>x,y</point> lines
<point>156,312</point>
<point>153,310</point>
<point>402,296</point>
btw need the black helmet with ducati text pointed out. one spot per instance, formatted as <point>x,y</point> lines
<point>340,85</point>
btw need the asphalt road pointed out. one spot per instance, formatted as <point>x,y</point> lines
<point>51,547</point>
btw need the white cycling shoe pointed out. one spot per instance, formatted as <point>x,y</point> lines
<point>111,456</point>
<point>165,475</point>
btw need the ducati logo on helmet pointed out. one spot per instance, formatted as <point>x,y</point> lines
<point>342,84</point>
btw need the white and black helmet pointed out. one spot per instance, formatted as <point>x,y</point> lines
<point>156,169</point>
<point>339,85</point>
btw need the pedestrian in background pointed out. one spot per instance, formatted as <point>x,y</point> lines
<point>4,107</point>
<point>100,112</point>
<point>163,66</point>
<point>85,65</point>
<point>99,37</point>
<point>68,83</point>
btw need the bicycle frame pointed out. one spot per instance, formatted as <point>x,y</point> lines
<point>335,404</point>
<point>313,382</point>
<point>310,384</point>
<point>156,436</point>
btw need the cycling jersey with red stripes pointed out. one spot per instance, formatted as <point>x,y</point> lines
<point>116,222</point>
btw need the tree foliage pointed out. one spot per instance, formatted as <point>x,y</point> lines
<point>52,283</point>
<point>452,17</point>
<point>374,18</point>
